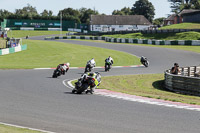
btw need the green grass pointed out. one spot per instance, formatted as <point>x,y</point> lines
<point>148,85</point>
<point>10,129</point>
<point>50,54</point>
<point>2,43</point>
<point>182,26</point>
<point>22,33</point>
<point>164,36</point>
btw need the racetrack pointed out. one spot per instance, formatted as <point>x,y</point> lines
<point>33,99</point>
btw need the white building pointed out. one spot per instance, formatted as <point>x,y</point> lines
<point>105,23</point>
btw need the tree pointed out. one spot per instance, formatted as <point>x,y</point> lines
<point>70,14</point>
<point>117,12</point>
<point>123,11</point>
<point>86,13</point>
<point>4,14</point>
<point>46,14</point>
<point>179,5</point>
<point>158,21</point>
<point>27,12</point>
<point>175,5</point>
<point>144,7</point>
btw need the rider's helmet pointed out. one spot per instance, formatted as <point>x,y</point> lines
<point>91,74</point>
<point>176,64</point>
<point>67,64</point>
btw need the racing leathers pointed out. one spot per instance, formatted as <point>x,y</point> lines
<point>97,80</point>
<point>92,62</point>
<point>63,67</point>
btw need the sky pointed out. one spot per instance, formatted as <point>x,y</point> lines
<point>162,7</point>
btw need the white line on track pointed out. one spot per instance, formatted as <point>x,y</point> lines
<point>44,131</point>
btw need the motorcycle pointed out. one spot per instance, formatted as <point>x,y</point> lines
<point>88,68</point>
<point>145,63</point>
<point>83,84</point>
<point>107,66</point>
<point>56,73</point>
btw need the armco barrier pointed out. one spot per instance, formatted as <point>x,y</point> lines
<point>13,50</point>
<point>187,82</point>
<point>130,40</point>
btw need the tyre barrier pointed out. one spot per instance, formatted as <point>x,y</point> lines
<point>13,50</point>
<point>186,82</point>
<point>130,40</point>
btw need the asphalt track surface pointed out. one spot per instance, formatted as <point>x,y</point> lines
<point>31,98</point>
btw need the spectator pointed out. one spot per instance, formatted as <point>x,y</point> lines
<point>175,70</point>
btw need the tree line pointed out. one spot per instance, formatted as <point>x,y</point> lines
<point>179,5</point>
<point>82,15</point>
<point>29,12</point>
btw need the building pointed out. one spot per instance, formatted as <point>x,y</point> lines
<point>190,16</point>
<point>185,16</point>
<point>170,20</point>
<point>105,23</point>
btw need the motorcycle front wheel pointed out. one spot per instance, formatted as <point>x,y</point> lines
<point>82,88</point>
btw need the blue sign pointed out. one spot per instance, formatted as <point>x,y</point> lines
<point>25,23</point>
<point>56,24</point>
<point>18,23</point>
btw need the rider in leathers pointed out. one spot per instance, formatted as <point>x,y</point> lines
<point>109,60</point>
<point>143,59</point>
<point>97,81</point>
<point>63,67</point>
<point>92,62</point>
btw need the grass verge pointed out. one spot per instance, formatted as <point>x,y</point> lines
<point>157,36</point>
<point>183,26</point>
<point>50,54</point>
<point>10,129</point>
<point>147,85</point>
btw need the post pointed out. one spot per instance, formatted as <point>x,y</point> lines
<point>182,71</point>
<point>61,23</point>
<point>188,71</point>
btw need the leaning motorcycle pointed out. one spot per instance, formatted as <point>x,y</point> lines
<point>88,68</point>
<point>82,85</point>
<point>56,73</point>
<point>107,66</point>
<point>145,63</point>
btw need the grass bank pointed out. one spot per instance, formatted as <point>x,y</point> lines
<point>10,129</point>
<point>23,33</point>
<point>148,85</point>
<point>183,26</point>
<point>50,54</point>
<point>164,36</point>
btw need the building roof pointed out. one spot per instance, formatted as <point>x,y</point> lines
<point>119,20</point>
<point>188,11</point>
<point>171,17</point>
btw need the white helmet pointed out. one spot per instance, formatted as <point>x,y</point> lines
<point>67,64</point>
